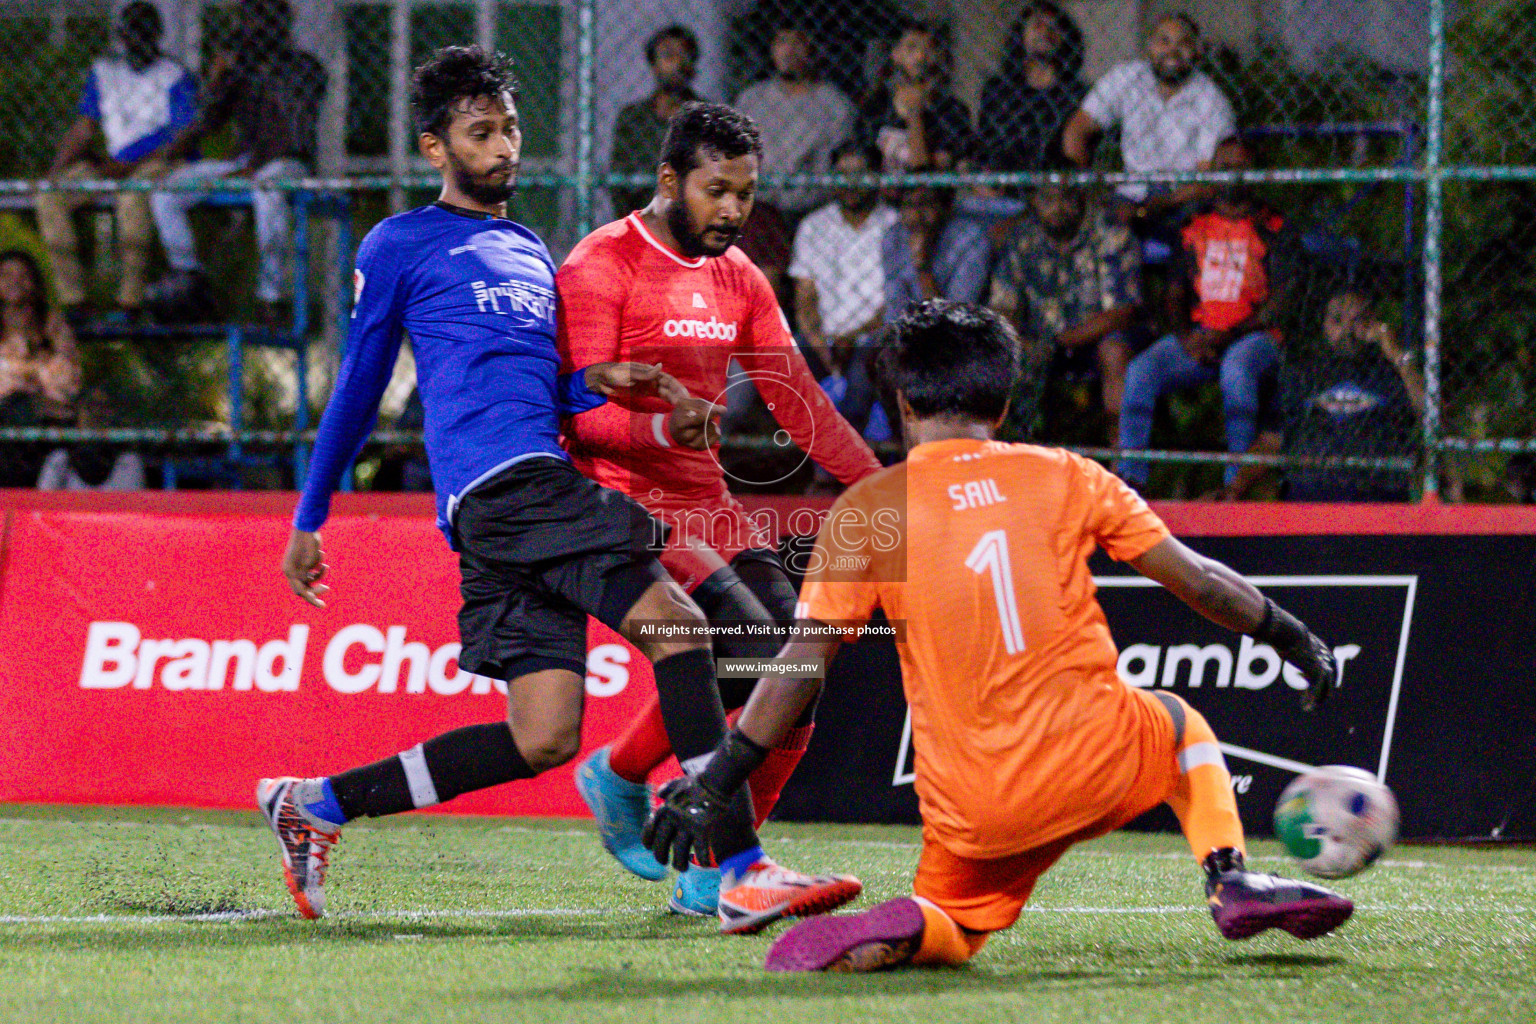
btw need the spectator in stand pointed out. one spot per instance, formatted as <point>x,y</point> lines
<point>801,120</point>
<point>1237,258</point>
<point>39,361</point>
<point>1360,395</point>
<point>39,364</point>
<point>910,114</point>
<point>1069,279</point>
<point>137,102</point>
<point>933,252</point>
<point>272,91</point>
<point>638,131</point>
<point>93,465</point>
<point>840,283</point>
<point>1171,117</point>
<point>1026,105</point>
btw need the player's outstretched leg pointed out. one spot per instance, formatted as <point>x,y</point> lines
<point>305,839</point>
<point>620,808</point>
<point>894,934</point>
<point>1245,903</point>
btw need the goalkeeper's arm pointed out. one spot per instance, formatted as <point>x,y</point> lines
<point>690,807</point>
<point>1222,595</point>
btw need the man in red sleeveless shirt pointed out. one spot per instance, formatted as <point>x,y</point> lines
<point>665,285</point>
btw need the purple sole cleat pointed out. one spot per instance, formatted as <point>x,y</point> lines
<point>1244,904</point>
<point>882,937</point>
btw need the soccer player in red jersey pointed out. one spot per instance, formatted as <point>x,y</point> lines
<point>665,285</point>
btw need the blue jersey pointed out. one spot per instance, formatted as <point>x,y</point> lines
<point>477,296</point>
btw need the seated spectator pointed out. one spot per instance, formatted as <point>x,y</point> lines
<point>932,252</point>
<point>272,91</point>
<point>801,120</point>
<point>840,284</point>
<point>1026,105</point>
<point>910,114</point>
<point>136,103</point>
<point>1171,117</point>
<point>1070,282</point>
<point>39,365</point>
<point>93,465</point>
<point>1360,394</point>
<point>638,131</point>
<point>1236,261</point>
<point>39,360</point>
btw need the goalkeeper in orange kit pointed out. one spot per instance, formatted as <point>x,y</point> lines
<point>1026,740</point>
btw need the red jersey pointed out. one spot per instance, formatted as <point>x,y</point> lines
<point>626,297</point>
<point>1229,257</point>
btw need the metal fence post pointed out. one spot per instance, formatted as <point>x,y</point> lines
<point>399,114</point>
<point>1433,225</point>
<point>586,28</point>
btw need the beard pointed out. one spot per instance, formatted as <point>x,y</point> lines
<point>1172,74</point>
<point>861,201</point>
<point>480,187</point>
<point>691,242</point>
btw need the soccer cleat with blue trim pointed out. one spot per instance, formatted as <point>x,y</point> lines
<point>620,808</point>
<point>306,849</point>
<point>696,893</point>
<point>767,892</point>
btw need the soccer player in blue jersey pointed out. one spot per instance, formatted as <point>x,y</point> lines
<point>540,546</point>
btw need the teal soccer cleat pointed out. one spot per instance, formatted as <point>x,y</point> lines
<point>620,807</point>
<point>696,892</point>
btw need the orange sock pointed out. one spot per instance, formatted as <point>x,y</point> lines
<point>643,746</point>
<point>768,781</point>
<point>944,942</point>
<point>1203,799</point>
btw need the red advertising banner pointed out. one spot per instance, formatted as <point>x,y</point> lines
<point>161,659</point>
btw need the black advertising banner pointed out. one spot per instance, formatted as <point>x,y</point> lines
<point>1436,695</point>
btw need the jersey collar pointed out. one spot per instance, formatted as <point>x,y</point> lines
<point>940,449</point>
<point>645,233</point>
<point>459,211</point>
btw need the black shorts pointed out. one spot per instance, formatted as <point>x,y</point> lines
<point>541,547</point>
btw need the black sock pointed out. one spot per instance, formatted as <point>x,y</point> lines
<point>695,721</point>
<point>461,761</point>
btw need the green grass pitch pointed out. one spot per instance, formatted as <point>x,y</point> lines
<point>455,919</point>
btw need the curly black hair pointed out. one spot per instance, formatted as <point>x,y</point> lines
<point>712,128</point>
<point>453,74</point>
<point>953,359</point>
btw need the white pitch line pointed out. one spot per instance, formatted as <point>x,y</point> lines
<point>242,916</point>
<point>239,917</point>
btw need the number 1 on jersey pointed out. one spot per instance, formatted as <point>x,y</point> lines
<point>991,555</point>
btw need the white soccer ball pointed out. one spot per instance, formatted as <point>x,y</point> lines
<point>1336,820</point>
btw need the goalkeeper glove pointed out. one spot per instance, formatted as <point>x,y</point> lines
<point>683,825</point>
<point>1298,645</point>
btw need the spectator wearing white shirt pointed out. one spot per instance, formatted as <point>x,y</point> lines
<point>137,102</point>
<point>840,281</point>
<point>1171,117</point>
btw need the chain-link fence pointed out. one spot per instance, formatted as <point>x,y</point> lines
<point>1273,248</point>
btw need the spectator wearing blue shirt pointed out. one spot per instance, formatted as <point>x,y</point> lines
<point>933,253</point>
<point>137,102</point>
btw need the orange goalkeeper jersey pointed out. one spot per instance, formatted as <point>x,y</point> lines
<point>1020,724</point>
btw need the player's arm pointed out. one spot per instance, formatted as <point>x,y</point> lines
<point>373,344</point>
<point>799,404</point>
<point>591,293</point>
<point>1219,593</point>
